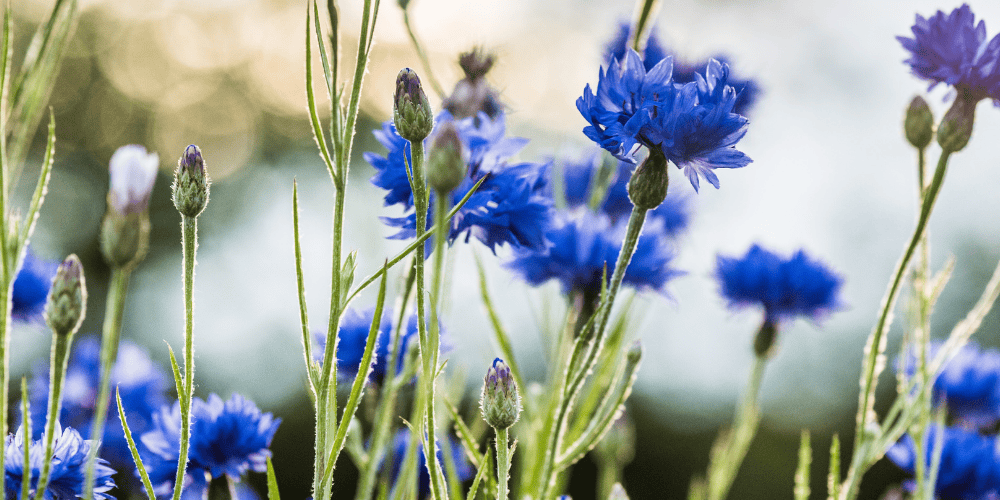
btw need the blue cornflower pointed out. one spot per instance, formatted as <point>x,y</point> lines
<point>747,90</point>
<point>969,384</point>
<point>511,206</point>
<point>692,124</point>
<point>31,287</point>
<point>139,381</point>
<point>353,334</point>
<point>785,288</point>
<point>227,437</point>
<point>400,444</point>
<point>970,464</point>
<point>952,49</point>
<point>69,466</point>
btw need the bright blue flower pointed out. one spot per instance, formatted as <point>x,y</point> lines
<point>747,90</point>
<point>692,124</point>
<point>227,437</point>
<point>31,288</point>
<point>511,206</point>
<point>353,335</point>
<point>401,443</point>
<point>785,288</point>
<point>952,49</point>
<point>139,381</point>
<point>970,464</point>
<point>969,384</point>
<point>69,466</point>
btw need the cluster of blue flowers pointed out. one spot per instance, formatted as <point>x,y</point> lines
<point>969,387</point>
<point>31,287</point>
<point>68,469</point>
<point>953,49</point>
<point>586,240</point>
<point>511,206</point>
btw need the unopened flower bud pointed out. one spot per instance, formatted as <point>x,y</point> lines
<point>411,111</point>
<point>446,167</point>
<point>191,183</point>
<point>919,123</point>
<point>956,126</point>
<point>473,94</point>
<point>501,403</point>
<point>648,186</point>
<point>125,228</point>
<point>67,302</point>
<point>763,343</point>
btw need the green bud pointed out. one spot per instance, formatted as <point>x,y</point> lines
<point>648,186</point>
<point>763,342</point>
<point>191,183</point>
<point>67,301</point>
<point>124,238</point>
<point>500,402</point>
<point>411,111</point>
<point>956,126</point>
<point>446,168</point>
<point>919,123</point>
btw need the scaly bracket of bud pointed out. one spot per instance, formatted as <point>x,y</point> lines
<point>411,111</point>
<point>648,186</point>
<point>191,183</point>
<point>956,126</point>
<point>500,402</point>
<point>919,123</point>
<point>446,168</point>
<point>67,302</point>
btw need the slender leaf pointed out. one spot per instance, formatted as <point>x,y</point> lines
<point>26,433</point>
<point>43,183</point>
<point>135,451</point>
<point>833,478</point>
<point>483,468</point>
<point>272,482</point>
<point>300,284</point>
<point>178,381</point>
<point>318,133</point>
<point>499,332</point>
<point>802,472</point>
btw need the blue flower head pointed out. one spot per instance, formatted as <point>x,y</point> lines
<point>969,384</point>
<point>31,287</point>
<point>693,124</point>
<point>69,466</point>
<point>747,90</point>
<point>139,381</point>
<point>785,288</point>
<point>401,442</point>
<point>227,437</point>
<point>511,206</point>
<point>970,464</point>
<point>953,49</point>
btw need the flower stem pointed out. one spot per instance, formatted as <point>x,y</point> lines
<point>114,307</point>
<point>61,342</point>
<point>189,239</point>
<point>503,463</point>
<point>424,61</point>
<point>731,447</point>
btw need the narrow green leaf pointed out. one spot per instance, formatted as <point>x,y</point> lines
<point>802,472</point>
<point>327,74</point>
<point>178,381</point>
<point>833,478</point>
<point>318,133</point>
<point>27,433</point>
<point>469,442</point>
<point>483,468</point>
<point>300,284</point>
<point>135,451</point>
<point>43,183</point>
<point>499,332</point>
<point>272,482</point>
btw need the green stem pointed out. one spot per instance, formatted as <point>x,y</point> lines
<point>608,473</point>
<point>61,342</point>
<point>503,463</point>
<point>645,10</point>
<point>109,353</point>
<point>732,447</point>
<point>876,341</point>
<point>5,300</point>
<point>424,61</point>
<point>189,239</point>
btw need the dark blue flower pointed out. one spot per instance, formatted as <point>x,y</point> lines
<point>401,443</point>
<point>353,335</point>
<point>139,381</point>
<point>31,287</point>
<point>952,49</point>
<point>69,466</point>
<point>747,90</point>
<point>969,384</point>
<point>785,288</point>
<point>227,437</point>
<point>970,464</point>
<point>511,206</point>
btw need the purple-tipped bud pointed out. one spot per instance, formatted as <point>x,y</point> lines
<point>500,402</point>
<point>67,302</point>
<point>648,186</point>
<point>446,167</point>
<point>191,183</point>
<point>919,123</point>
<point>133,172</point>
<point>473,94</point>
<point>411,111</point>
<point>956,126</point>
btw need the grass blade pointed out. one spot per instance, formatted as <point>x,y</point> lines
<point>135,451</point>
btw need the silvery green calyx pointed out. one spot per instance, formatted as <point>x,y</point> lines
<point>411,111</point>
<point>67,301</point>
<point>501,402</point>
<point>648,186</point>
<point>956,126</point>
<point>446,167</point>
<point>763,342</point>
<point>919,123</point>
<point>191,183</point>
<point>125,228</point>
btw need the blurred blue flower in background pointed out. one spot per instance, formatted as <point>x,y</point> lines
<point>785,288</point>
<point>970,463</point>
<point>31,287</point>
<point>952,49</point>
<point>68,469</point>
<point>400,444</point>
<point>969,384</point>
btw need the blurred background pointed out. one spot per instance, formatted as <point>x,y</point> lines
<point>831,173</point>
